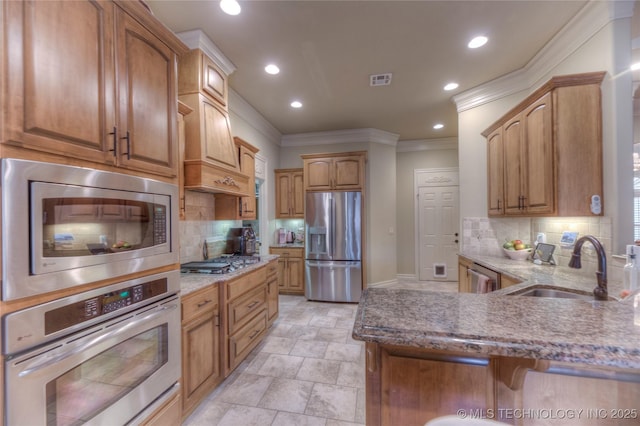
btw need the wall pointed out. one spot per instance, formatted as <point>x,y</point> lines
<point>407,161</point>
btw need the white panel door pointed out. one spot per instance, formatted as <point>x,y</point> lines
<point>438,224</point>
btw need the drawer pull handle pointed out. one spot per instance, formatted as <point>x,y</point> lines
<point>251,305</point>
<point>206,302</point>
<point>254,334</point>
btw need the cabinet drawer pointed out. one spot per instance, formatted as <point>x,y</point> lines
<point>288,251</point>
<point>246,283</point>
<point>244,308</point>
<point>243,342</point>
<point>200,301</point>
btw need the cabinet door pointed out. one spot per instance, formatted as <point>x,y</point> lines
<point>272,299</point>
<point>297,195</point>
<point>348,172</point>
<point>248,166</point>
<point>495,172</point>
<point>512,140</point>
<point>539,168</point>
<point>296,274</point>
<point>200,358</point>
<point>60,76</point>
<point>214,81</point>
<point>147,100</point>
<point>282,273</point>
<point>318,174</point>
<point>283,195</point>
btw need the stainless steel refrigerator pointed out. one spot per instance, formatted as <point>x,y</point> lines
<point>333,246</point>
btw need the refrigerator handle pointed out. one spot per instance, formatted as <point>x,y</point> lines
<point>333,226</point>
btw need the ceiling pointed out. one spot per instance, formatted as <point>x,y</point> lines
<point>326,51</point>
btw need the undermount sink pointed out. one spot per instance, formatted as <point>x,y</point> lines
<point>555,293</point>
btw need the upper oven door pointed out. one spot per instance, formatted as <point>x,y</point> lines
<point>59,225</point>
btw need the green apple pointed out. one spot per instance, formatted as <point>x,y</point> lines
<point>508,245</point>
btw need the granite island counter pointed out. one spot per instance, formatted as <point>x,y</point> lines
<point>496,355</point>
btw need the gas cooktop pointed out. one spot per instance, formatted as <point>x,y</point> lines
<point>219,265</point>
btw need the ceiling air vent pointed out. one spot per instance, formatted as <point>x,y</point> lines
<point>380,80</point>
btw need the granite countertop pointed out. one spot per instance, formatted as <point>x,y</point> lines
<point>193,282</point>
<point>505,324</point>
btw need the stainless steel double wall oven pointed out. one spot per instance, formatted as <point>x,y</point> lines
<point>105,356</point>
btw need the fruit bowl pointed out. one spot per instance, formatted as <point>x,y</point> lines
<point>518,254</point>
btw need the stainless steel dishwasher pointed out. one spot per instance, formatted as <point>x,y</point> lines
<point>483,280</point>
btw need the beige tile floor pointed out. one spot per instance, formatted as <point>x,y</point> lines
<point>307,371</point>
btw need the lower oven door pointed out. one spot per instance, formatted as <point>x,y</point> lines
<point>103,375</point>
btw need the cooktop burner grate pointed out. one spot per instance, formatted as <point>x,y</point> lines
<point>218,265</point>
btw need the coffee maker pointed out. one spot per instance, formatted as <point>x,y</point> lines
<point>241,241</point>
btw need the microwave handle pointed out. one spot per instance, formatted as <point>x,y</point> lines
<point>37,366</point>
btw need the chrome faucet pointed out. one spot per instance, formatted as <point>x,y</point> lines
<point>600,292</point>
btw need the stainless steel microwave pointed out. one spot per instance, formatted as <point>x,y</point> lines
<point>65,226</point>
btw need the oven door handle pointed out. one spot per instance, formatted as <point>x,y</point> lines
<point>48,361</point>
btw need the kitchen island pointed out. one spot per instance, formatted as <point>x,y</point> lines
<point>518,359</point>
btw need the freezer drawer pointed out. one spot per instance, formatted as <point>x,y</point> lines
<point>333,281</point>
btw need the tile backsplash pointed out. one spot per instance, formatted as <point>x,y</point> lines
<point>200,224</point>
<point>485,236</point>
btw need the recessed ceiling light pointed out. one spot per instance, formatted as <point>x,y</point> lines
<point>477,42</point>
<point>438,126</point>
<point>451,86</point>
<point>230,7</point>
<point>296,104</point>
<point>635,67</point>
<point>272,69</point>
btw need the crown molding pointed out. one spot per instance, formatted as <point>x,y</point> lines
<point>197,39</point>
<point>340,136</point>
<point>243,109</point>
<point>427,144</point>
<point>589,20</point>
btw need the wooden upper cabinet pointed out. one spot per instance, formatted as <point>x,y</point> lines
<point>211,161</point>
<point>289,193</point>
<point>495,170</point>
<point>198,73</point>
<point>513,167</point>
<point>60,94</point>
<point>548,141</point>
<point>60,77</point>
<point>214,81</point>
<point>148,129</point>
<point>326,172</point>
<point>538,194</point>
<point>230,207</point>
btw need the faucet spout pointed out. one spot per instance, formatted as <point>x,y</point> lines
<point>600,292</point>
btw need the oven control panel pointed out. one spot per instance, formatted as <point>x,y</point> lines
<point>84,310</point>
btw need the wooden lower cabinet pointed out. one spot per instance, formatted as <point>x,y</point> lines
<point>272,292</point>
<point>290,269</point>
<point>221,324</point>
<point>246,316</point>
<point>201,356</point>
<point>410,386</point>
